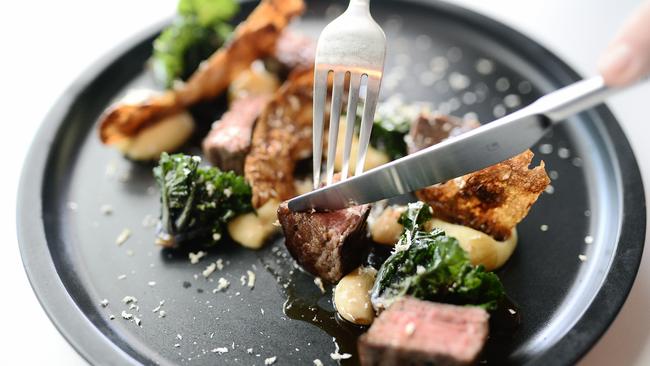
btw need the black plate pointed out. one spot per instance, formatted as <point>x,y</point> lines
<point>68,245</point>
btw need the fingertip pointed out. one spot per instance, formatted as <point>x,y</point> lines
<point>615,63</point>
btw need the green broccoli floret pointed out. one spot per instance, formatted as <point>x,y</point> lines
<point>200,28</point>
<point>197,202</point>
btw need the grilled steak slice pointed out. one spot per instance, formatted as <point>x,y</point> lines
<point>430,129</point>
<point>327,244</point>
<point>415,332</point>
<point>229,140</point>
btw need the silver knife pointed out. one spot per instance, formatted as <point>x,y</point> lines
<point>474,150</point>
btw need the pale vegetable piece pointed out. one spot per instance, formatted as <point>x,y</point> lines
<point>168,135</point>
<point>252,229</point>
<point>352,296</point>
<point>255,81</point>
<point>386,229</point>
<point>481,248</point>
<point>374,157</point>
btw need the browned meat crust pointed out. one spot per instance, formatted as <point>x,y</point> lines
<point>429,130</point>
<point>327,244</point>
<point>229,140</point>
<point>282,136</point>
<point>253,39</point>
<point>416,332</point>
<point>492,200</point>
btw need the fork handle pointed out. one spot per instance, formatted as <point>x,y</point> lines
<point>359,6</point>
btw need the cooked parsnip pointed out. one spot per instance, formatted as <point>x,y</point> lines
<point>253,82</point>
<point>481,248</point>
<point>374,157</point>
<point>167,135</point>
<point>352,296</point>
<point>252,229</point>
<point>385,229</point>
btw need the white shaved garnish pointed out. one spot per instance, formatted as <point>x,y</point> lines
<point>123,237</point>
<point>270,360</point>
<point>222,284</point>
<point>106,209</point>
<point>242,279</point>
<point>104,303</point>
<point>162,314</point>
<point>157,308</point>
<point>220,350</point>
<point>126,315</point>
<point>138,321</point>
<point>251,278</point>
<point>336,355</point>
<point>151,283</point>
<point>249,351</point>
<point>129,299</point>
<point>319,282</point>
<point>420,269</point>
<point>121,277</point>
<point>219,264</point>
<point>410,328</point>
<point>582,257</point>
<point>318,362</point>
<point>180,337</point>
<point>196,257</point>
<point>209,270</point>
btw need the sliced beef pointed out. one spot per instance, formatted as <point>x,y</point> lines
<point>327,244</point>
<point>416,332</point>
<point>431,129</point>
<point>229,141</point>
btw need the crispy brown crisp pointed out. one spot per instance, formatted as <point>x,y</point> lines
<point>282,136</point>
<point>492,200</point>
<point>253,39</point>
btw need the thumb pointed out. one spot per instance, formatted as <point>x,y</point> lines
<point>627,59</point>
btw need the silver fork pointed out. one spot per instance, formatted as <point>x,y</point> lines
<point>351,44</point>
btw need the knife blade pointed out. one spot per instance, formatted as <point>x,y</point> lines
<point>474,150</point>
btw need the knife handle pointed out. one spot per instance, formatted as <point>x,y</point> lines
<point>572,99</point>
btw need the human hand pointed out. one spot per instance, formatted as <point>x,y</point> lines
<point>627,59</point>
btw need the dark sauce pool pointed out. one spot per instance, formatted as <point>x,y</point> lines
<point>306,302</point>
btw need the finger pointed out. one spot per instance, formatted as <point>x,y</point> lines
<point>627,59</point>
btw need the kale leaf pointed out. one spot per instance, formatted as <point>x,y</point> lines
<point>388,135</point>
<point>433,266</point>
<point>200,29</point>
<point>197,202</point>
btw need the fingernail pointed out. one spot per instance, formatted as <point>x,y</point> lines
<point>614,63</point>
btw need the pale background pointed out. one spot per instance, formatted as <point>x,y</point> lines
<point>45,45</point>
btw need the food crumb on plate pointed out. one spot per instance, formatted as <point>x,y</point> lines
<point>270,360</point>
<point>151,283</point>
<point>251,278</point>
<point>318,362</point>
<point>127,316</point>
<point>220,350</point>
<point>319,282</point>
<point>222,284</point>
<point>104,303</point>
<point>162,314</point>
<point>589,239</point>
<point>582,257</point>
<point>121,277</point>
<point>106,209</point>
<point>249,351</point>
<point>123,237</point>
<point>196,257</point>
<point>209,270</point>
<point>129,299</point>
<point>543,227</point>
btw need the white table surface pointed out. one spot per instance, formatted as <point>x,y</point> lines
<point>46,44</point>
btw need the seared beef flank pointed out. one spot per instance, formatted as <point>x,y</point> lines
<point>229,140</point>
<point>429,130</point>
<point>327,244</point>
<point>416,332</point>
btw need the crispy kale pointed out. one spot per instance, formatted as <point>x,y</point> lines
<point>197,202</point>
<point>433,266</point>
<point>199,29</point>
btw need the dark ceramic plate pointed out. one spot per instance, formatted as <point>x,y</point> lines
<point>579,249</point>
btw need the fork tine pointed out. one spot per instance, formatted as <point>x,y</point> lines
<point>320,93</point>
<point>370,103</point>
<point>335,116</point>
<point>353,101</point>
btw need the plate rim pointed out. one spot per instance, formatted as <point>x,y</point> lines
<point>95,348</point>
